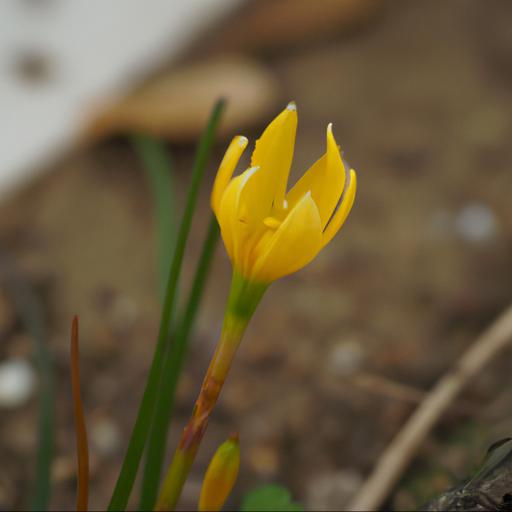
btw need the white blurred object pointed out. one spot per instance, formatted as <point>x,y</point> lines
<point>345,358</point>
<point>60,58</point>
<point>476,223</point>
<point>17,382</point>
<point>105,435</point>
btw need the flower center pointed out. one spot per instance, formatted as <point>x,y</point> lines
<point>274,221</point>
<point>271,222</point>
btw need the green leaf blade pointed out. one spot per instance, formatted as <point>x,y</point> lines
<point>145,414</point>
<point>158,167</point>
<point>171,373</point>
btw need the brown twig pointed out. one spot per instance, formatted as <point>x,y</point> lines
<point>382,386</point>
<point>82,492</point>
<point>402,448</point>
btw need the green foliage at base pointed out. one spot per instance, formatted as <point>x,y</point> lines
<point>271,498</point>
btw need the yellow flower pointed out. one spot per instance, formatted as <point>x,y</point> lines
<point>270,232</point>
<point>220,476</point>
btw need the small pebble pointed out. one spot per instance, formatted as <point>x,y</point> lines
<point>17,382</point>
<point>476,223</point>
<point>105,435</point>
<point>345,358</point>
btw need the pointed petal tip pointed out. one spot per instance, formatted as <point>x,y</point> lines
<point>330,134</point>
<point>242,141</point>
<point>291,106</point>
<point>331,141</point>
<point>247,175</point>
<point>235,437</point>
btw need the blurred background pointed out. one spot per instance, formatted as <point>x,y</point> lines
<point>338,355</point>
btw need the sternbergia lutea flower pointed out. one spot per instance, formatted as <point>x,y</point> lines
<point>270,231</point>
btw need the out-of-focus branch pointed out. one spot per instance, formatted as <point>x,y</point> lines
<point>403,447</point>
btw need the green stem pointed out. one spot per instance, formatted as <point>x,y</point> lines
<point>140,431</point>
<point>171,373</point>
<point>158,167</point>
<point>243,299</point>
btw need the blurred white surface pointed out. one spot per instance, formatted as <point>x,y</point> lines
<point>17,382</point>
<point>59,58</point>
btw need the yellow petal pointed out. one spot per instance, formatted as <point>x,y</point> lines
<point>226,169</point>
<point>325,179</point>
<point>220,476</point>
<point>240,215</point>
<point>227,214</point>
<point>341,214</point>
<point>274,153</point>
<point>293,245</point>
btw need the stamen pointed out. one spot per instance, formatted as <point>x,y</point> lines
<point>271,222</point>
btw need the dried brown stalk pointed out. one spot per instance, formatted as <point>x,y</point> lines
<point>403,447</point>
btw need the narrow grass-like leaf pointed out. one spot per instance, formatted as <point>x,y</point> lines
<point>140,431</point>
<point>82,447</point>
<point>158,166</point>
<point>171,373</point>
<point>30,310</point>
